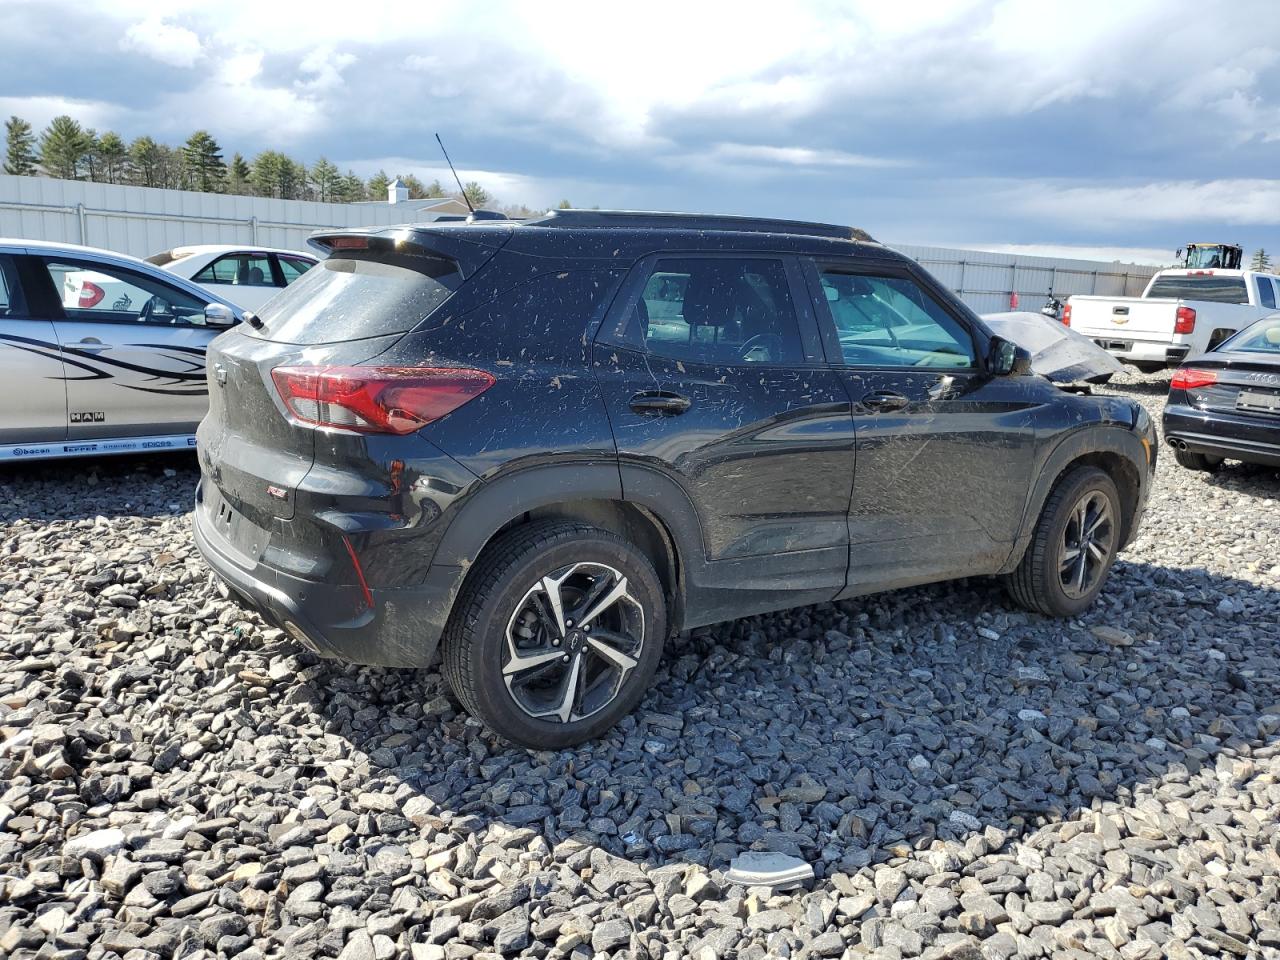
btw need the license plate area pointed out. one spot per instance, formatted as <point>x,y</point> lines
<point>1258,401</point>
<point>1122,345</point>
<point>243,539</point>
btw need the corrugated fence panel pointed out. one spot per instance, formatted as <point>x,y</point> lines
<point>142,221</point>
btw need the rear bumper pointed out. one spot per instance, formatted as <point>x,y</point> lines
<point>1222,435</point>
<point>1141,351</point>
<point>401,628</point>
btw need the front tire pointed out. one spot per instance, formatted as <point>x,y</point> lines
<point>1073,547</point>
<point>556,634</point>
<point>1196,461</point>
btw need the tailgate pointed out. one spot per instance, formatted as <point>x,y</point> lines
<point>249,449</point>
<point>1132,318</point>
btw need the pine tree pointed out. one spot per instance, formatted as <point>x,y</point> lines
<point>564,205</point>
<point>434,191</point>
<point>20,157</point>
<point>170,169</point>
<point>111,156</point>
<point>1261,261</point>
<point>202,159</point>
<point>238,176</point>
<point>351,188</point>
<point>63,146</point>
<point>325,176</point>
<point>477,194</point>
<point>92,166</point>
<point>378,184</point>
<point>144,162</point>
<point>275,175</point>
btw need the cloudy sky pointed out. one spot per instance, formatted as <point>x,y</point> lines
<point>1125,128</point>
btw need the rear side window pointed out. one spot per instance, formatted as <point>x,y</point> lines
<point>1266,295</point>
<point>240,269</point>
<point>1207,287</point>
<point>293,268</point>
<point>353,297</point>
<point>718,310</point>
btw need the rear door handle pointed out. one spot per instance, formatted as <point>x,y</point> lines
<point>883,401</point>
<point>660,402</point>
<point>90,345</point>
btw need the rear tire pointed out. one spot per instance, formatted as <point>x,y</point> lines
<point>1073,546</point>
<point>524,602</point>
<point>1196,461</point>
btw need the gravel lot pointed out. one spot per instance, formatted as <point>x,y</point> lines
<point>966,780</point>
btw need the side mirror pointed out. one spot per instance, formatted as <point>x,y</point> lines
<point>219,315</point>
<point>1006,359</point>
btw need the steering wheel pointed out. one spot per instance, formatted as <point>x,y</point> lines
<point>770,342</point>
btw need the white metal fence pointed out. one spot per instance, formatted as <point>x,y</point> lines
<point>142,221</point>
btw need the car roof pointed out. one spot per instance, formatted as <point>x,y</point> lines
<point>193,249</point>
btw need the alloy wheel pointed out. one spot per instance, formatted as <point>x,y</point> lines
<point>1087,544</point>
<point>572,641</point>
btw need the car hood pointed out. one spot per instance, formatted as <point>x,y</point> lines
<point>1058,353</point>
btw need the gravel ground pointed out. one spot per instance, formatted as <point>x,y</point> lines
<point>177,780</point>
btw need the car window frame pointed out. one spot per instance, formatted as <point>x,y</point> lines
<point>889,269</point>
<point>40,264</point>
<point>1266,289</point>
<point>614,329</point>
<point>15,288</point>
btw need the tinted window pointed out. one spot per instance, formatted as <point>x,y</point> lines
<point>1207,287</point>
<point>293,268</point>
<point>890,321</point>
<point>352,297</point>
<point>1266,294</point>
<point>240,269</point>
<point>718,311</point>
<point>109,294</point>
<point>11,303</point>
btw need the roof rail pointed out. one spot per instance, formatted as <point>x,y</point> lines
<point>642,219</point>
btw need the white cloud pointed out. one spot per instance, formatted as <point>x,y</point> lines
<point>153,37</point>
<point>1107,206</point>
<point>799,156</point>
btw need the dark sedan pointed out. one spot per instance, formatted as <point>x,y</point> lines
<point>1226,403</point>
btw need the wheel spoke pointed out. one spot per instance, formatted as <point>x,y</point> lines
<point>1098,553</point>
<point>609,599</point>
<point>551,587</point>
<point>569,700</point>
<point>1081,566</point>
<point>519,664</point>
<point>1069,555</point>
<point>602,643</point>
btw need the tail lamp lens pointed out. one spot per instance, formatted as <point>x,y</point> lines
<point>90,295</point>
<point>1185,321</point>
<point>396,400</point>
<point>1066,315</point>
<point>1188,378</point>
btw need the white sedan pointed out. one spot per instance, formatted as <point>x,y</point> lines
<point>247,276</point>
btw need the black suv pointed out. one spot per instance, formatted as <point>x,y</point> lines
<point>545,446</point>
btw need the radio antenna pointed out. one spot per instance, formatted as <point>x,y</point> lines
<point>457,179</point>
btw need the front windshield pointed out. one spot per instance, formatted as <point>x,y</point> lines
<point>1261,336</point>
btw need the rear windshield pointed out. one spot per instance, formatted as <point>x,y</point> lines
<point>352,298</point>
<point>1217,289</point>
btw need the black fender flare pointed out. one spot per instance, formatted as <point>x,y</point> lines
<point>1115,439</point>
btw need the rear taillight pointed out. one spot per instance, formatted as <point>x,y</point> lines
<point>1066,315</point>
<point>90,295</point>
<point>1185,321</point>
<point>1188,378</point>
<point>377,399</point>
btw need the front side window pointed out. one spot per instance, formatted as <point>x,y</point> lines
<point>891,322</point>
<point>238,269</point>
<point>718,310</point>
<point>109,294</point>
<point>11,303</point>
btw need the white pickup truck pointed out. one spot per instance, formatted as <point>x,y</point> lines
<point>1182,312</point>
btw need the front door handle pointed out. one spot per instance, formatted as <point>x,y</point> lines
<point>884,401</point>
<point>660,402</point>
<point>90,345</point>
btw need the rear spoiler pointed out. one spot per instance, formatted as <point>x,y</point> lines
<point>469,250</point>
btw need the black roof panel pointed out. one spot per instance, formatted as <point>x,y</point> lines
<point>640,219</point>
